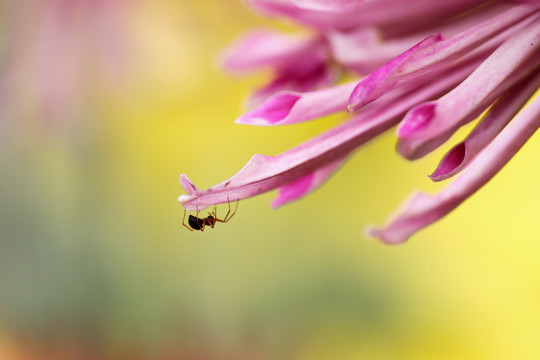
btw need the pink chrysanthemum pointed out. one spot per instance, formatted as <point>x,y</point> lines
<point>432,67</point>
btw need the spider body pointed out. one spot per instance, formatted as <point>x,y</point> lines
<point>197,223</point>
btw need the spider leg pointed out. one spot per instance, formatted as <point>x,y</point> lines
<point>184,221</point>
<point>227,217</point>
<point>234,212</point>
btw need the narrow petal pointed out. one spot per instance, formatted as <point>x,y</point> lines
<point>429,125</point>
<point>436,52</point>
<point>363,49</point>
<point>297,62</point>
<point>498,117</point>
<point>306,184</point>
<point>263,48</point>
<point>328,5</point>
<point>377,82</point>
<point>291,81</point>
<point>424,209</point>
<point>366,48</point>
<point>384,13</point>
<point>265,173</point>
<point>291,107</point>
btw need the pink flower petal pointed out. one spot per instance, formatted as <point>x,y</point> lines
<point>498,117</point>
<point>265,173</point>
<point>293,107</point>
<point>413,14</point>
<point>429,125</point>
<point>298,63</point>
<point>328,5</point>
<point>363,49</point>
<point>377,83</point>
<point>422,209</point>
<point>366,48</point>
<point>264,48</point>
<point>294,82</point>
<point>435,52</point>
<point>306,184</point>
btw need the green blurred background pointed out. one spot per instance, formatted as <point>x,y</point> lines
<point>94,262</point>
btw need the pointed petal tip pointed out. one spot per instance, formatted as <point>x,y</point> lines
<point>273,111</point>
<point>188,186</point>
<point>382,235</point>
<point>277,203</point>
<point>182,199</point>
<point>417,120</point>
<point>436,178</point>
<point>184,180</point>
<point>251,120</point>
<point>451,163</point>
<point>370,232</point>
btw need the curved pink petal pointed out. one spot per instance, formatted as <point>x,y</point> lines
<point>290,81</point>
<point>328,5</point>
<point>366,48</point>
<point>498,117</point>
<point>422,209</point>
<point>380,81</point>
<point>291,107</point>
<point>435,52</point>
<point>397,15</point>
<point>363,49</point>
<point>429,125</point>
<point>263,48</point>
<point>265,173</point>
<point>306,184</point>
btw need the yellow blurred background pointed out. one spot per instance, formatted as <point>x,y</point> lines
<point>94,262</point>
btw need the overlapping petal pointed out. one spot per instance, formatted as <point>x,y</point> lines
<point>428,125</point>
<point>500,114</point>
<point>264,48</point>
<point>422,209</point>
<point>403,16</point>
<point>489,58</point>
<point>264,173</point>
<point>434,52</point>
<point>307,183</point>
<point>289,107</point>
<point>328,5</point>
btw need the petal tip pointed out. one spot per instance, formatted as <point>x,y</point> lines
<point>376,233</point>
<point>451,163</point>
<point>182,199</point>
<point>417,120</point>
<point>273,111</point>
<point>251,120</point>
<point>187,185</point>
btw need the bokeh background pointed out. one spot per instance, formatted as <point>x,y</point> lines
<point>104,103</point>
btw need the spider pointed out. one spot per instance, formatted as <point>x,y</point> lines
<point>197,223</point>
